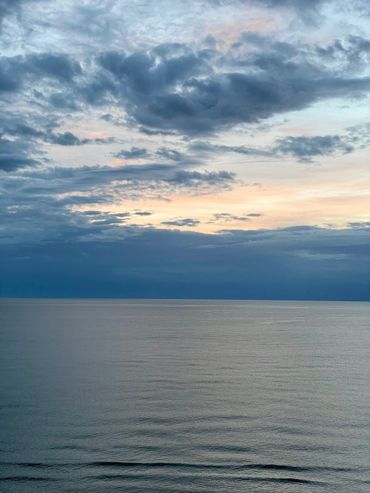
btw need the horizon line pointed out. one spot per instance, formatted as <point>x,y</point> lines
<point>119,298</point>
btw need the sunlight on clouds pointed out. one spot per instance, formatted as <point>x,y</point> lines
<point>254,207</point>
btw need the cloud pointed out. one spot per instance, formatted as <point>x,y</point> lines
<point>204,147</point>
<point>187,222</point>
<point>142,213</point>
<point>153,71</point>
<point>305,148</point>
<point>55,65</point>
<point>8,7</point>
<point>70,139</point>
<point>199,177</point>
<point>36,129</point>
<point>36,204</point>
<point>351,52</point>
<point>66,139</point>
<point>359,225</point>
<point>226,217</point>
<point>9,78</point>
<point>15,154</point>
<point>300,4</point>
<point>21,140</point>
<point>171,154</point>
<point>172,88</point>
<point>93,259</point>
<point>133,153</point>
<point>14,71</point>
<point>87,177</point>
<point>296,4</point>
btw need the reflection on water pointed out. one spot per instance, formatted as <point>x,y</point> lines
<point>193,396</point>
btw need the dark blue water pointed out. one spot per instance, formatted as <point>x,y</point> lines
<point>106,396</point>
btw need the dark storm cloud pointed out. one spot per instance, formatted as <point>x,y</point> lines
<point>292,263</point>
<point>173,88</point>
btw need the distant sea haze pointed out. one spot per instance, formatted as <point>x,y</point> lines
<point>100,396</point>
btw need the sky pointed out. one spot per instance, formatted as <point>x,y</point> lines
<point>185,149</point>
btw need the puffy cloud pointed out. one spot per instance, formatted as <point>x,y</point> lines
<point>151,72</point>
<point>173,88</point>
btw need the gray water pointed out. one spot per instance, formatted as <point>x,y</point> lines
<point>190,396</point>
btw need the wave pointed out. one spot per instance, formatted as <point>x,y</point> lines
<point>184,465</point>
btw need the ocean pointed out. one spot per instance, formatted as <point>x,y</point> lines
<point>184,396</point>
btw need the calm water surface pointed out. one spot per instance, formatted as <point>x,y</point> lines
<point>136,396</point>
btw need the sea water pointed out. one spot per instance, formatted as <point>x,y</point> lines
<point>184,396</point>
